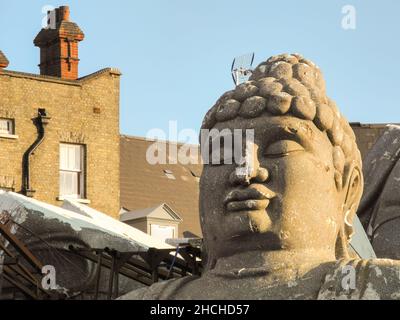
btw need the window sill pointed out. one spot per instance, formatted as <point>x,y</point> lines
<point>8,136</point>
<point>84,201</point>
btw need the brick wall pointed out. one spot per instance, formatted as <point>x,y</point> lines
<point>82,111</point>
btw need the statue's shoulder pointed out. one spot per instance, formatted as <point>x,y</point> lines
<point>363,279</point>
<point>164,290</point>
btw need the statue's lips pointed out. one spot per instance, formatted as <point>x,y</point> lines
<point>253,197</point>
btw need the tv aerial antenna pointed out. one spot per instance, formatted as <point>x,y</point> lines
<point>241,68</point>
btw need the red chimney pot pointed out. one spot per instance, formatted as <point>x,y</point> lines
<point>59,46</point>
<point>63,13</point>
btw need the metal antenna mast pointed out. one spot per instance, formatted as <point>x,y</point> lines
<point>241,68</point>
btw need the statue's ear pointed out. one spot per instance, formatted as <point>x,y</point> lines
<point>353,188</point>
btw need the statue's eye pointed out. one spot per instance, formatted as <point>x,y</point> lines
<point>282,148</point>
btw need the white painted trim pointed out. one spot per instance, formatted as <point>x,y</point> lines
<point>62,198</point>
<point>8,136</point>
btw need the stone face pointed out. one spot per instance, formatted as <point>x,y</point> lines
<point>277,223</point>
<point>70,104</point>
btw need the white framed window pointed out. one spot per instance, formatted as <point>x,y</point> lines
<point>6,126</point>
<point>162,232</point>
<point>72,174</point>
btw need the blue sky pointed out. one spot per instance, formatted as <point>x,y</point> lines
<point>175,55</point>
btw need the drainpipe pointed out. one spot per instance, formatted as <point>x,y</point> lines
<point>40,121</point>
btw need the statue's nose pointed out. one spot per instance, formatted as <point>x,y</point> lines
<point>247,174</point>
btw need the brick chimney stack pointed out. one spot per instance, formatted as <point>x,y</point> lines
<point>58,44</point>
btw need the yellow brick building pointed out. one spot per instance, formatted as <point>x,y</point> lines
<point>59,134</point>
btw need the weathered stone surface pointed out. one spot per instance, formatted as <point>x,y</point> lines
<point>269,87</point>
<point>244,91</point>
<point>279,103</point>
<point>227,110</point>
<point>380,205</point>
<point>324,117</point>
<point>303,107</point>
<point>252,107</point>
<point>281,70</point>
<point>278,225</point>
<point>295,88</point>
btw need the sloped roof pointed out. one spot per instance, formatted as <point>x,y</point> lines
<point>144,185</point>
<point>163,211</point>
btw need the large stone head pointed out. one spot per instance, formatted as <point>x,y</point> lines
<point>299,184</point>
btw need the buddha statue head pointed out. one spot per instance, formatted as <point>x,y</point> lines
<point>299,181</point>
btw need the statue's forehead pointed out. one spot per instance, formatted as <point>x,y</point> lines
<point>268,129</point>
<point>269,125</point>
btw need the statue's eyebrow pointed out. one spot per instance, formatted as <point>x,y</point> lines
<point>288,132</point>
<point>282,132</point>
<point>290,129</point>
